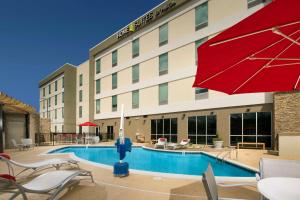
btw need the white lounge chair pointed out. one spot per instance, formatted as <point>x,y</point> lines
<point>161,143</point>
<point>35,166</point>
<point>211,186</point>
<point>183,144</point>
<point>18,146</point>
<point>27,143</point>
<point>51,183</point>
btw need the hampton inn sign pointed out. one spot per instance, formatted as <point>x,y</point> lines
<point>146,19</point>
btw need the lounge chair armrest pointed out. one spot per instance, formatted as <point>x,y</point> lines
<point>257,176</point>
<point>237,184</point>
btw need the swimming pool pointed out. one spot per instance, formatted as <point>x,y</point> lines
<point>159,161</point>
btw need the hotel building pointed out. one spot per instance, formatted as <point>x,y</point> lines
<point>149,66</point>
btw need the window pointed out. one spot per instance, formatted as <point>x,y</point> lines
<point>135,99</point>
<point>62,112</point>
<point>55,86</point>
<point>135,48</point>
<point>55,129</point>
<point>163,34</point>
<point>63,97</point>
<point>49,89</point>
<point>55,113</point>
<point>98,66</point>
<point>43,104</point>
<point>80,80</point>
<point>80,111</point>
<point>251,127</point>
<point>80,95</point>
<point>115,58</point>
<point>98,106</point>
<point>252,3</point>
<point>62,128</point>
<point>200,92</point>
<point>198,44</point>
<point>43,92</point>
<point>202,129</point>
<point>63,82</point>
<point>163,64</point>
<point>135,73</point>
<point>164,128</point>
<point>55,100</point>
<point>98,86</point>
<point>49,102</point>
<point>201,13</point>
<point>114,80</point>
<point>163,94</point>
<point>114,103</point>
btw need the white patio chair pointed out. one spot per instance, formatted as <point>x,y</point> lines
<point>161,143</point>
<point>36,166</point>
<point>27,143</point>
<point>183,144</point>
<point>211,186</point>
<point>278,168</point>
<point>16,145</point>
<point>51,183</point>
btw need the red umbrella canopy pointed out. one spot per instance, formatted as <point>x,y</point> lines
<point>88,124</point>
<point>259,54</point>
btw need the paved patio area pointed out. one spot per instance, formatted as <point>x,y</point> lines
<point>137,186</point>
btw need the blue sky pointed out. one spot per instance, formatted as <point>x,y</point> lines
<point>38,36</point>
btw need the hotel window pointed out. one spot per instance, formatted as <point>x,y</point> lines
<point>55,86</point>
<point>55,129</point>
<point>251,127</point>
<point>201,93</point>
<point>197,44</point>
<point>98,106</point>
<point>49,89</point>
<point>202,129</point>
<point>114,103</point>
<point>80,111</point>
<point>163,94</point>
<point>163,64</point>
<point>62,112</point>
<point>163,34</point>
<point>135,48</point>
<point>135,73</point>
<point>62,128</point>
<point>164,128</point>
<point>201,13</point>
<point>49,102</point>
<point>98,86</point>
<point>55,99</point>
<point>80,80</point>
<point>63,97</point>
<point>63,82</point>
<point>80,95</point>
<point>43,92</point>
<point>114,80</point>
<point>252,3</point>
<point>55,113</point>
<point>98,66</point>
<point>135,99</point>
<point>43,104</point>
<point>115,58</point>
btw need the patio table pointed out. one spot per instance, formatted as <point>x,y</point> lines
<point>280,188</point>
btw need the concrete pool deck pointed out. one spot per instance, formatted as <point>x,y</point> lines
<point>137,186</point>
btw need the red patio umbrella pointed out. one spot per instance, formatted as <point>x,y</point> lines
<point>88,124</point>
<point>259,54</point>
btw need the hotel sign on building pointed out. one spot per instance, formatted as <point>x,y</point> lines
<point>146,19</point>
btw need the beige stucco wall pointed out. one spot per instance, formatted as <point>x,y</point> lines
<point>106,83</point>
<point>105,105</point>
<point>181,58</point>
<point>149,97</point>
<point>124,54</point>
<point>181,91</point>
<point>289,147</point>
<point>145,45</point>
<point>148,69</point>
<point>124,78</point>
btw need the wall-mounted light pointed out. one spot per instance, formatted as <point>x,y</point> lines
<point>115,123</point>
<point>248,110</point>
<point>144,122</point>
<point>162,117</point>
<point>211,113</point>
<point>183,116</point>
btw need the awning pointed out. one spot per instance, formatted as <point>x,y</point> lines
<point>259,54</point>
<point>12,105</point>
<point>88,124</point>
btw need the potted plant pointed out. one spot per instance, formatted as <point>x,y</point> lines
<point>218,142</point>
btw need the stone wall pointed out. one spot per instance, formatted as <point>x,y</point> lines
<point>45,125</point>
<point>287,113</point>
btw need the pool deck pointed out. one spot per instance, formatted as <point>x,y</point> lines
<point>139,186</point>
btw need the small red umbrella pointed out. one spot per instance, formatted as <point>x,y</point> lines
<point>259,54</point>
<point>88,124</point>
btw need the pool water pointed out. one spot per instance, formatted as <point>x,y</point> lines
<point>159,161</point>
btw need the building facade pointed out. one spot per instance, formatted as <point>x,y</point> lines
<point>149,66</point>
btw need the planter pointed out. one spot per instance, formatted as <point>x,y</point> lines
<point>218,144</point>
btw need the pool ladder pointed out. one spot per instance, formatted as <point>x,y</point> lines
<point>226,153</point>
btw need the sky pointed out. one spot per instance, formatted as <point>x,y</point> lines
<point>39,36</point>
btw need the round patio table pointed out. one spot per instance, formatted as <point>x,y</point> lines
<point>280,188</point>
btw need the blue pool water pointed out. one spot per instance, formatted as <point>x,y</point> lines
<point>158,161</point>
